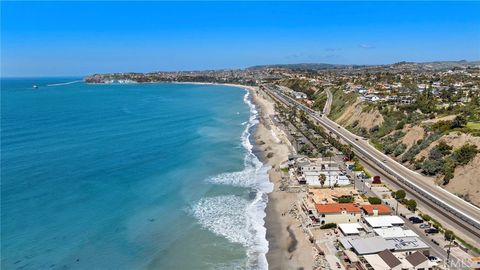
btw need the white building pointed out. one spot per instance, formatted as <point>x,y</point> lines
<point>384,221</point>
<point>311,171</point>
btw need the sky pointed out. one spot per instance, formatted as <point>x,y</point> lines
<point>81,38</point>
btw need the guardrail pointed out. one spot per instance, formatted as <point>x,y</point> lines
<point>465,217</point>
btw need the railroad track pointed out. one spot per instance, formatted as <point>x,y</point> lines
<point>467,222</point>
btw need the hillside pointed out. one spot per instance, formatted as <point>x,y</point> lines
<point>433,147</point>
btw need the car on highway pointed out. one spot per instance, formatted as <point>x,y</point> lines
<point>431,231</point>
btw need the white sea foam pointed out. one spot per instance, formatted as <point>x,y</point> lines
<point>239,221</point>
<point>66,83</point>
<point>235,218</point>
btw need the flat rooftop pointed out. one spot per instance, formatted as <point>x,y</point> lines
<point>384,221</point>
<point>407,243</point>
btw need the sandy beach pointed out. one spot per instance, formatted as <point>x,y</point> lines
<point>289,247</point>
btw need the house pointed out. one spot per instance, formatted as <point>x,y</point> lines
<point>376,209</point>
<point>366,245</point>
<point>384,260</point>
<point>418,261</point>
<point>350,228</point>
<point>409,244</point>
<point>338,213</point>
<point>311,170</point>
<point>384,221</point>
<point>394,232</point>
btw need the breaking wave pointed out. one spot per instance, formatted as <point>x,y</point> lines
<point>237,219</point>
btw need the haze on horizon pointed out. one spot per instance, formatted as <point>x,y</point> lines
<point>80,38</point>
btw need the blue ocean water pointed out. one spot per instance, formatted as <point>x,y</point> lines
<point>129,176</point>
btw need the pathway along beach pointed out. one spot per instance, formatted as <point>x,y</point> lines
<point>289,247</point>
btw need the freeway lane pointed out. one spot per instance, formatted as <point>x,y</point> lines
<point>460,208</point>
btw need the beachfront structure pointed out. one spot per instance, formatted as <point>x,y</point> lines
<point>384,260</point>
<point>350,228</point>
<point>375,244</point>
<point>409,244</point>
<point>376,209</point>
<point>394,232</point>
<point>310,171</point>
<point>384,221</point>
<point>419,261</point>
<point>338,213</point>
<point>366,245</point>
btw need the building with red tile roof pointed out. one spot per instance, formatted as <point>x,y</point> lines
<point>376,209</point>
<point>338,213</point>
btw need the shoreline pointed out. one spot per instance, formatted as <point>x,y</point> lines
<point>288,245</point>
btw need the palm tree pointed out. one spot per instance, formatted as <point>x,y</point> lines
<point>322,178</point>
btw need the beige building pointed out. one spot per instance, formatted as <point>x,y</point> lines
<point>338,213</point>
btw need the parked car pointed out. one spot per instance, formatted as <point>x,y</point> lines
<point>424,226</point>
<point>431,231</point>
<point>416,220</point>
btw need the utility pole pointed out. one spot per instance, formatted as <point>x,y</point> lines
<point>396,208</point>
<point>448,251</point>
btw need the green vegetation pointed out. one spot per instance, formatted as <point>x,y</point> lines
<point>443,161</point>
<point>473,125</point>
<point>285,170</point>
<point>341,101</point>
<point>374,200</point>
<point>449,235</point>
<point>328,226</point>
<point>299,85</point>
<point>345,199</point>
<point>357,167</point>
<point>411,205</point>
<point>416,148</point>
<point>400,194</point>
<point>426,217</point>
<point>319,100</point>
<point>464,154</point>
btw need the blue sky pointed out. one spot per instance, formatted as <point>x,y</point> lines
<point>79,38</point>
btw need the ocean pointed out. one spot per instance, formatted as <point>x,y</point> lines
<point>130,176</point>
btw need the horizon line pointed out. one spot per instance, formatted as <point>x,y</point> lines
<point>218,69</point>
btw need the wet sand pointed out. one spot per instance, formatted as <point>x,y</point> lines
<point>289,247</point>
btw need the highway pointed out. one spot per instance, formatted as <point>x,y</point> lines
<point>452,207</point>
<point>328,103</point>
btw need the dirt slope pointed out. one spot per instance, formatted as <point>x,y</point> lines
<point>365,119</point>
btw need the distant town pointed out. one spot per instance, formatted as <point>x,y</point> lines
<point>384,164</point>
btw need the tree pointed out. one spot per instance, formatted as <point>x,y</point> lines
<point>374,200</point>
<point>459,122</point>
<point>412,205</point>
<point>432,166</point>
<point>322,179</point>
<point>464,154</point>
<point>449,235</point>
<point>400,194</point>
